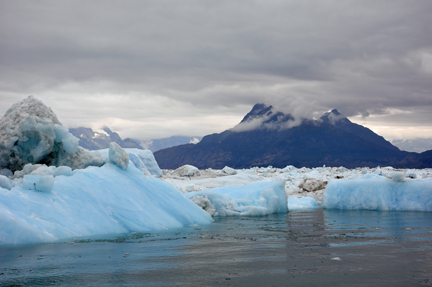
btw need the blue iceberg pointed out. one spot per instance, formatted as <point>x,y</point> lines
<point>248,200</point>
<point>296,203</point>
<point>92,201</point>
<point>374,192</point>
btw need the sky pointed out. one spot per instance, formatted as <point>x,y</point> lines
<point>153,69</point>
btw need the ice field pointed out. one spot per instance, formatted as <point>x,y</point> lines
<point>52,190</point>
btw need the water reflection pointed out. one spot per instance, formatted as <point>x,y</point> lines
<point>378,248</point>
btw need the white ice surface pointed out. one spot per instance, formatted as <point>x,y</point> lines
<point>247,200</point>
<point>186,170</point>
<point>375,192</point>
<point>94,201</point>
<point>300,182</point>
<point>144,160</point>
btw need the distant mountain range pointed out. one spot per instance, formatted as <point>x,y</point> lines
<point>158,144</point>
<point>267,137</point>
<point>414,145</point>
<point>94,140</point>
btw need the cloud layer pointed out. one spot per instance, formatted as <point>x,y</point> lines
<point>152,69</point>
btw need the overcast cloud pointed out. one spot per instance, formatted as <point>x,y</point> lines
<point>152,69</point>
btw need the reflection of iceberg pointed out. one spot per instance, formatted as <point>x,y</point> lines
<point>375,192</point>
<point>377,223</point>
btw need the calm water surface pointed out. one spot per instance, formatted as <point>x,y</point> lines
<point>307,248</point>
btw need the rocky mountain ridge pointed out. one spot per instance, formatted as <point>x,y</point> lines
<point>265,137</point>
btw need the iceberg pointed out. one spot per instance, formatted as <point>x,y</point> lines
<point>143,160</point>
<point>375,192</point>
<point>31,133</point>
<point>88,202</point>
<point>296,203</point>
<point>248,200</point>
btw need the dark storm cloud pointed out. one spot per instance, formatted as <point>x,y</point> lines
<point>149,65</point>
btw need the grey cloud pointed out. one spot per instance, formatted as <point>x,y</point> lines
<point>168,60</point>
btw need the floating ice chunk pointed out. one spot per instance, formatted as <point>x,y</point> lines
<point>295,203</point>
<point>94,202</point>
<point>311,184</point>
<point>241,178</point>
<point>38,182</point>
<point>248,200</point>
<point>5,182</point>
<point>118,155</point>
<point>186,170</point>
<point>229,170</point>
<point>375,192</point>
<point>398,176</point>
<point>288,168</point>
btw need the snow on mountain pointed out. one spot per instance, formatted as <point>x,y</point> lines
<point>268,137</point>
<point>100,139</point>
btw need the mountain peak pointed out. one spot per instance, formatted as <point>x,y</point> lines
<point>107,130</point>
<point>332,117</point>
<point>259,110</point>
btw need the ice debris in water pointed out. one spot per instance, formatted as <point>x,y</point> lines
<point>31,133</point>
<point>118,155</point>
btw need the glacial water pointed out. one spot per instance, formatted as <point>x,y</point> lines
<point>305,248</point>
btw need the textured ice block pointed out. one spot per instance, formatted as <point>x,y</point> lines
<point>374,192</point>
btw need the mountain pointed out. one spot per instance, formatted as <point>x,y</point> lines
<point>267,137</point>
<point>94,140</point>
<point>415,145</point>
<point>158,144</point>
